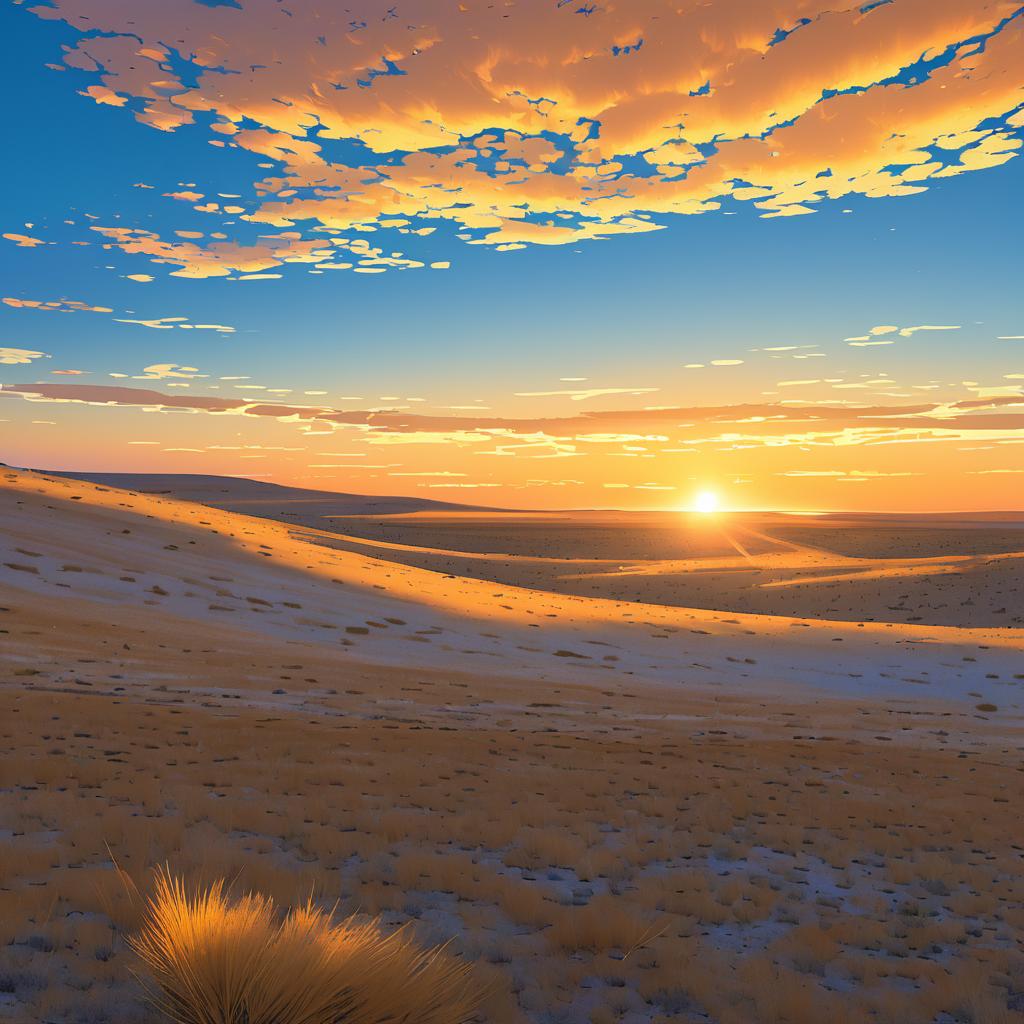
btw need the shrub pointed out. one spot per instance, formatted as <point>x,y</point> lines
<point>216,960</point>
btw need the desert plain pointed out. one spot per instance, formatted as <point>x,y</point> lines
<point>633,767</point>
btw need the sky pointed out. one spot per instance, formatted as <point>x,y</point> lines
<point>523,254</point>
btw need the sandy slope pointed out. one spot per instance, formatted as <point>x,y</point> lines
<point>257,497</point>
<point>78,552</point>
<point>920,569</point>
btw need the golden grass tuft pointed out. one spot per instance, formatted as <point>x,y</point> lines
<point>217,960</point>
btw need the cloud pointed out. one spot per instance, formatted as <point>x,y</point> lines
<point>167,323</point>
<point>72,306</point>
<point>19,356</point>
<point>441,473</point>
<point>905,332</point>
<point>24,241</point>
<point>165,371</point>
<point>249,262</point>
<point>842,474</point>
<point>218,259</point>
<point>583,395</point>
<point>781,446</point>
<point>871,338</point>
<point>55,305</point>
<point>550,123</point>
<point>784,424</point>
<point>467,486</point>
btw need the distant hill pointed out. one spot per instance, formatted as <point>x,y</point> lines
<point>267,500</point>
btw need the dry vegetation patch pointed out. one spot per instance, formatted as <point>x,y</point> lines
<point>215,960</point>
<point>605,868</point>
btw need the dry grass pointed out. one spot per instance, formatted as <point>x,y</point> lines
<point>214,960</point>
<point>553,862</point>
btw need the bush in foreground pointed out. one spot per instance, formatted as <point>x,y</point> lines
<point>214,960</point>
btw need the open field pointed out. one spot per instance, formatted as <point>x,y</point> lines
<point>529,736</point>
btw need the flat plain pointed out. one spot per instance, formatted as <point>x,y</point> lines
<point>636,767</point>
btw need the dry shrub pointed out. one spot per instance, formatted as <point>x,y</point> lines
<point>811,948</point>
<point>214,960</point>
<point>605,923</point>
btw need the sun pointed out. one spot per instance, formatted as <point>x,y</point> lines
<point>707,502</point>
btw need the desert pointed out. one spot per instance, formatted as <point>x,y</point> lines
<point>512,512</point>
<point>584,807</point>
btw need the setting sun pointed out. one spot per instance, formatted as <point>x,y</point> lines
<point>707,502</point>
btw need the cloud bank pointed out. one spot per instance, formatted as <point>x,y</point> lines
<point>767,424</point>
<point>549,123</point>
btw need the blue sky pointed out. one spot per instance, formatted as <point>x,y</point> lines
<point>634,310</point>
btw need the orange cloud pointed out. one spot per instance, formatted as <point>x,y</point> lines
<point>803,455</point>
<point>998,417</point>
<point>24,241</point>
<point>553,123</point>
<point>219,259</point>
<point>55,305</point>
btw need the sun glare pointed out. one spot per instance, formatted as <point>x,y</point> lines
<point>707,502</point>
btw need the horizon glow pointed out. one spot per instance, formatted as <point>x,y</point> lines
<point>527,258</point>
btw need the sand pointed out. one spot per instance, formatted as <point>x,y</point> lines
<point>368,601</point>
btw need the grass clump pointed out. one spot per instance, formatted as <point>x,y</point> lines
<point>217,960</point>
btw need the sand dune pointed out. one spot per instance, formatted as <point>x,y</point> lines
<point>257,497</point>
<point>84,543</point>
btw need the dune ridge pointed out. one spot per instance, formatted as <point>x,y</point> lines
<point>83,542</point>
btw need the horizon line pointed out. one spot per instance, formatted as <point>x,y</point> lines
<point>73,474</point>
